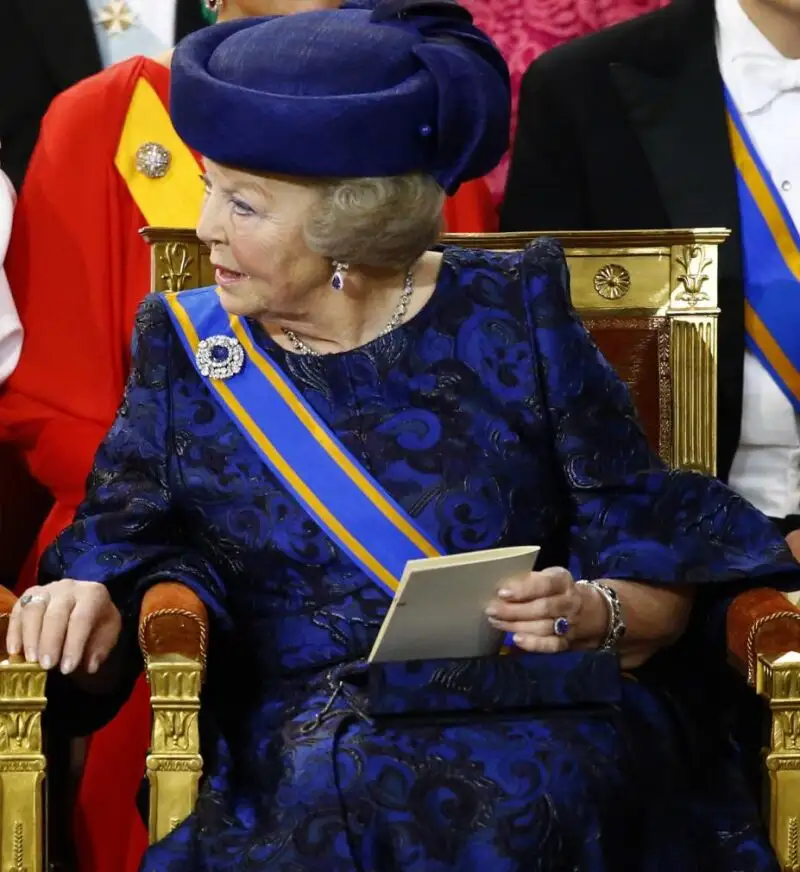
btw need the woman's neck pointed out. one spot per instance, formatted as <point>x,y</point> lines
<point>778,21</point>
<point>337,321</point>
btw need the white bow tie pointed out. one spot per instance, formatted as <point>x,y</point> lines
<point>765,78</point>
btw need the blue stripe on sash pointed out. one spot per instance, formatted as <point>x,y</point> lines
<point>771,247</point>
<point>347,503</point>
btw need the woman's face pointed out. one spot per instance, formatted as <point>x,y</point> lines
<point>254,228</point>
<point>251,8</point>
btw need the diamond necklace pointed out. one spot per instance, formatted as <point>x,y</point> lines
<point>397,317</point>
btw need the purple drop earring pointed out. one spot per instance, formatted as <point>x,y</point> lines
<point>339,274</point>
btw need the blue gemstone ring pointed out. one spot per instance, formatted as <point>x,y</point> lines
<point>561,626</point>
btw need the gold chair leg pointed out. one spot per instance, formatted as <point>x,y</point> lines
<point>22,766</point>
<point>174,764</point>
<point>778,679</point>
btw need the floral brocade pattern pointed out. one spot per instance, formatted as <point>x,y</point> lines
<point>493,420</point>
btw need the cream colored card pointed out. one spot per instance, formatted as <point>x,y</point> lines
<point>439,608</point>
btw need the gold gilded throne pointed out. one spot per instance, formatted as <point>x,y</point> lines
<point>650,301</point>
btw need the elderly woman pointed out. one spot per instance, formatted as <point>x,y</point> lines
<point>84,202</point>
<point>346,399</point>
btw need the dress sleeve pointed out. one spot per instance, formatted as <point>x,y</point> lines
<point>128,533</point>
<point>630,516</point>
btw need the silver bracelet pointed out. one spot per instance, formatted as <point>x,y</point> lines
<point>616,621</point>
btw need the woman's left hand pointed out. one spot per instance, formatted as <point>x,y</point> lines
<point>541,611</point>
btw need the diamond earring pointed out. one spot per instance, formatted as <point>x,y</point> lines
<point>339,274</point>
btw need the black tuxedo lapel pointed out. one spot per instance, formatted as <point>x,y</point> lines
<point>678,114</point>
<point>676,105</point>
<point>65,33</point>
<point>188,18</point>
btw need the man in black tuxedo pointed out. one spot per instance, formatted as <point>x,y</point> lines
<point>45,47</point>
<point>627,129</point>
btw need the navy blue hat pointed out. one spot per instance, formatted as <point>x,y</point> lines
<point>404,86</point>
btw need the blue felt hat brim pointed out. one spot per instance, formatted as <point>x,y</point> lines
<point>412,94</point>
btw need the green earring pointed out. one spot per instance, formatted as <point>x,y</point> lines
<point>210,10</point>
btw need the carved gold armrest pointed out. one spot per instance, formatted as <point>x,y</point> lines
<point>764,643</point>
<point>22,762</point>
<point>173,636</point>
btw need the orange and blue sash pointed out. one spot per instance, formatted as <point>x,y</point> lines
<point>771,248</point>
<point>288,435</point>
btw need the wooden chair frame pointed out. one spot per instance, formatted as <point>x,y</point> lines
<point>22,760</point>
<point>668,277</point>
<point>666,280</point>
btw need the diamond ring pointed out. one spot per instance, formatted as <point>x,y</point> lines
<point>561,626</point>
<point>28,598</point>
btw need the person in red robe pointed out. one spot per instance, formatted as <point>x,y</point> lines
<point>107,163</point>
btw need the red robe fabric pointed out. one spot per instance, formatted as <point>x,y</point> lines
<point>471,210</point>
<point>79,270</point>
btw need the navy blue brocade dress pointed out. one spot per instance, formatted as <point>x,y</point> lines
<point>494,421</point>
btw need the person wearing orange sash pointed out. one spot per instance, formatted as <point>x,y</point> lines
<point>343,401</point>
<point>603,126</point>
<point>108,162</point>
<point>92,187</point>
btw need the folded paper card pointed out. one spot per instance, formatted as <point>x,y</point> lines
<point>439,609</point>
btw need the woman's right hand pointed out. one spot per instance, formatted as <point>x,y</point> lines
<point>67,623</point>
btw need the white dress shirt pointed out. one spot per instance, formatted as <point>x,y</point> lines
<point>10,327</point>
<point>766,89</point>
<point>133,27</point>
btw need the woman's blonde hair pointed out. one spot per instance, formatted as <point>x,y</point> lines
<point>378,222</point>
